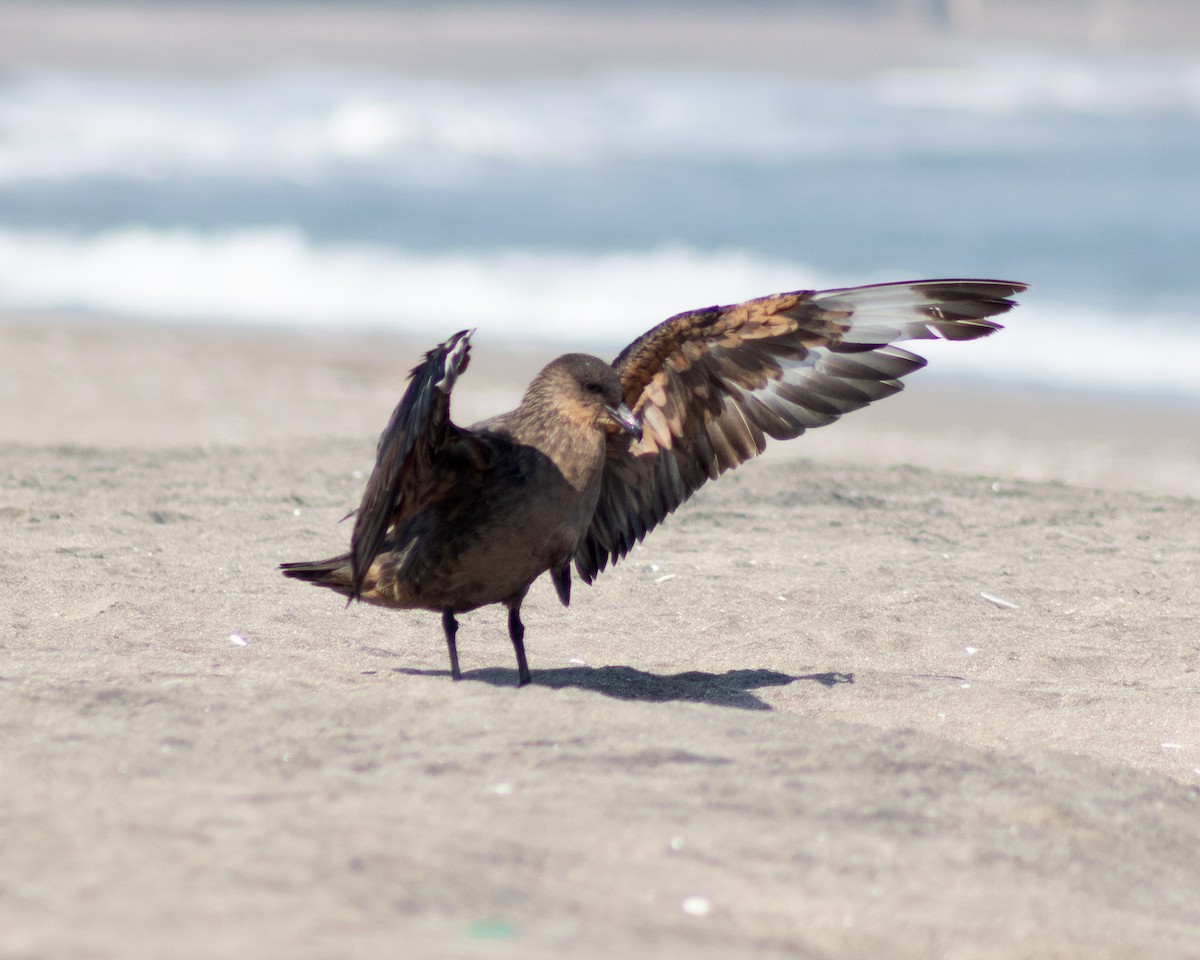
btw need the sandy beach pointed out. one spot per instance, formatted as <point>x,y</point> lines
<point>539,38</point>
<point>872,696</point>
<point>925,683</point>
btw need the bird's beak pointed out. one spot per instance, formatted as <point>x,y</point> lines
<point>623,417</point>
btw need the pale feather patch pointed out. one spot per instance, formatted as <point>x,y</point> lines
<point>454,362</point>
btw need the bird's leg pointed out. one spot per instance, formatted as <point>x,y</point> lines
<point>562,583</point>
<point>516,633</point>
<point>450,626</point>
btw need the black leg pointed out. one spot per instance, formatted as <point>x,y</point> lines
<point>450,625</point>
<point>562,583</point>
<point>516,632</point>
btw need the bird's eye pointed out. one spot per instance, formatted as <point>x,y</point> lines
<point>593,388</point>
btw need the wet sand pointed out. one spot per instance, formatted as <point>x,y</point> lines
<point>560,38</point>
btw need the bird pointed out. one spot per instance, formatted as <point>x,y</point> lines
<point>597,454</point>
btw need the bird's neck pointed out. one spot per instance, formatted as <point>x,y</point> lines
<point>574,445</point>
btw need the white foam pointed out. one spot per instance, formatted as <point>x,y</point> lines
<point>278,277</point>
<point>305,125</point>
<point>301,125</point>
<point>1063,346</point>
<point>1011,83</point>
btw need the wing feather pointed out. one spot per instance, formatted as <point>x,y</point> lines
<point>420,457</point>
<point>710,386</point>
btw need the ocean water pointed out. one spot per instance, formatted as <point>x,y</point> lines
<point>581,211</point>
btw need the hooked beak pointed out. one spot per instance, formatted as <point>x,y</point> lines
<point>623,417</point>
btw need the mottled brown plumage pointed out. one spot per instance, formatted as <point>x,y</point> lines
<point>597,455</point>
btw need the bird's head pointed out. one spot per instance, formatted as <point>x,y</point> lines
<point>588,391</point>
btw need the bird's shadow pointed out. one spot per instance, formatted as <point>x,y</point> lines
<point>729,689</point>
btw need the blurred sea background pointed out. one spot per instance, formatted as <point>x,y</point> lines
<point>559,174</point>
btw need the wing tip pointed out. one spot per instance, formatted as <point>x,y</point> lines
<point>455,354</point>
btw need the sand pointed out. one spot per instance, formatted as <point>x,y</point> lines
<point>226,37</point>
<point>878,697</point>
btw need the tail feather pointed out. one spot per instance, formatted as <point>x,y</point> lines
<point>334,573</point>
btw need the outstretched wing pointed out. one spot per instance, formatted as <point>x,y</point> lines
<point>411,468</point>
<point>710,386</point>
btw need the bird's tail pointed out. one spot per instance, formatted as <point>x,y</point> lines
<point>334,573</point>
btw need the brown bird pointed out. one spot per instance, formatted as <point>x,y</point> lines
<point>598,454</point>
